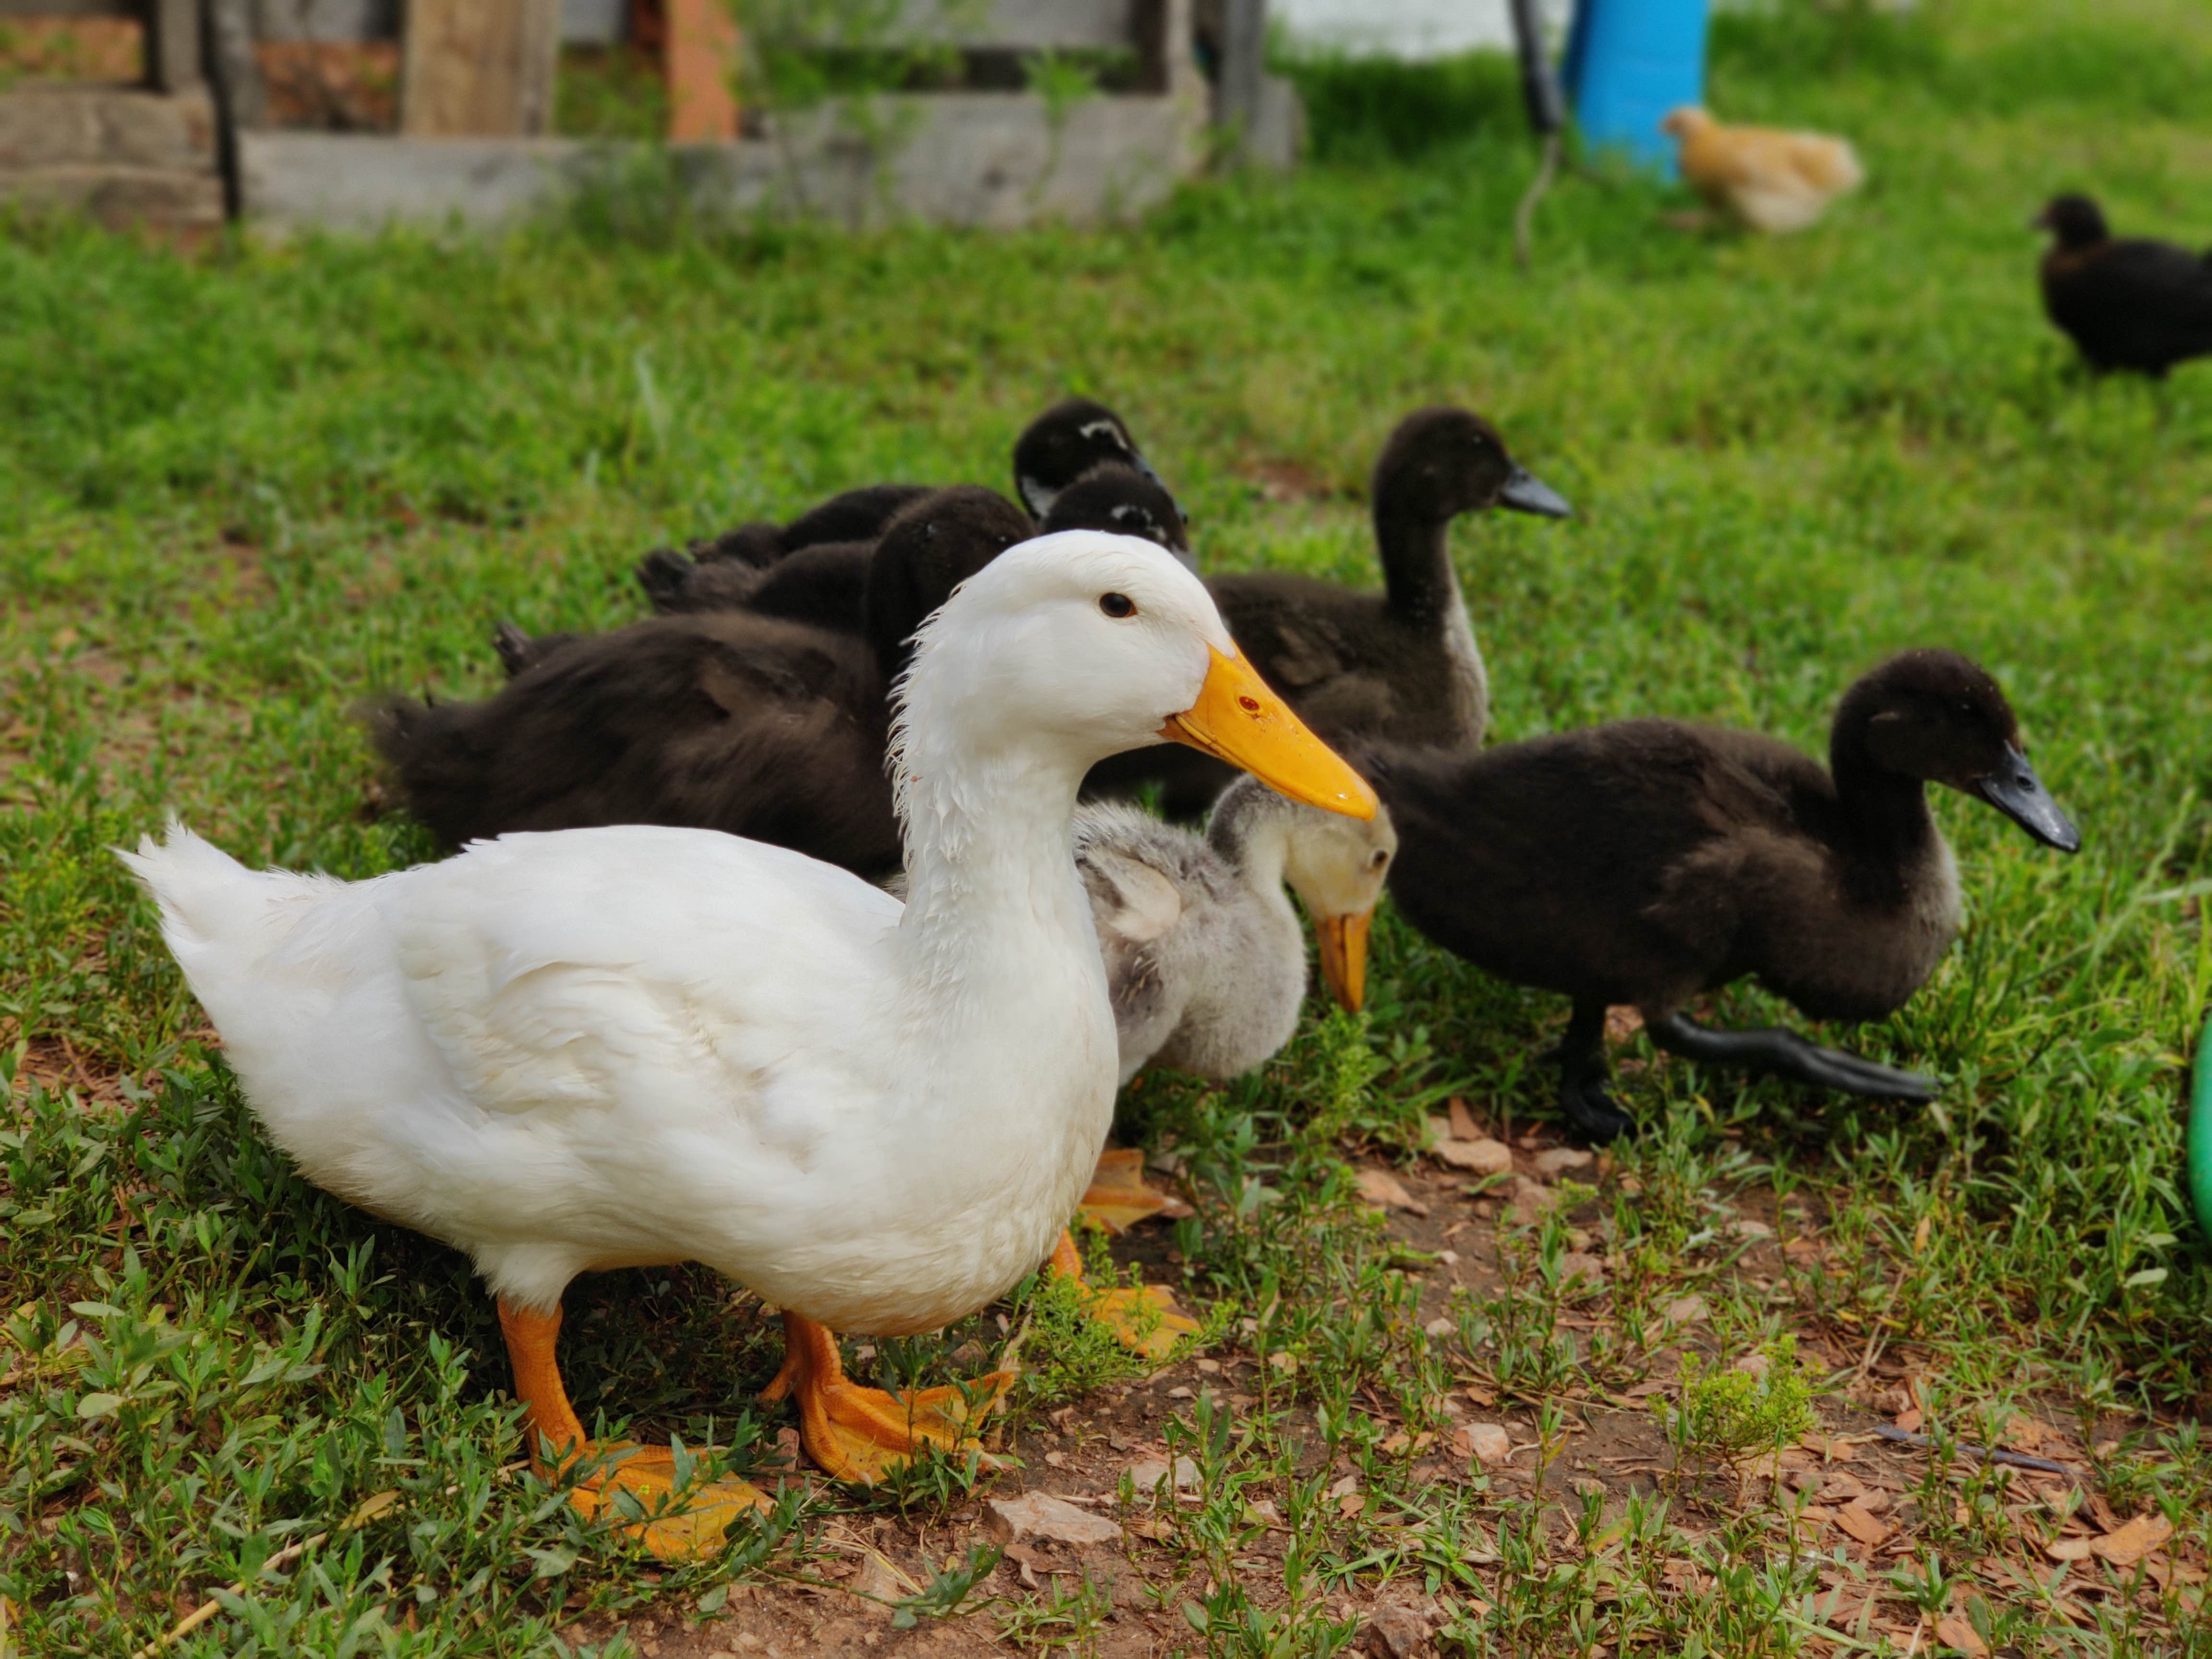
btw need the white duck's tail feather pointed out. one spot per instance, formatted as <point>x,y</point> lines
<point>207,897</point>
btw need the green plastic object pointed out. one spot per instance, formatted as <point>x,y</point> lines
<point>2200,1133</point>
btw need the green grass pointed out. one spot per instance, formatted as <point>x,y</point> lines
<point>241,489</point>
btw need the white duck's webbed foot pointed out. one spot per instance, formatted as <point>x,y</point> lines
<point>858,1433</point>
<point>1145,1317</point>
<point>675,1515</point>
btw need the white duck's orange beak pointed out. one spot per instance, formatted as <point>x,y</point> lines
<point>1343,941</point>
<point>1238,718</point>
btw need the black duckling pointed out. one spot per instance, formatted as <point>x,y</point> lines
<point>857,515</point>
<point>1401,663</point>
<point>823,574</point>
<point>2133,303</point>
<point>1065,443</point>
<point>1068,441</point>
<point>1126,500</point>
<point>1645,862</point>
<point>822,584</point>
<point>759,726</point>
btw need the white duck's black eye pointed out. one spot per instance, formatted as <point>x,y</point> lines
<point>1380,858</point>
<point>1117,606</point>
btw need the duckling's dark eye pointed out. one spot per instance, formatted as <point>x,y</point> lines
<point>1380,858</point>
<point>1117,606</point>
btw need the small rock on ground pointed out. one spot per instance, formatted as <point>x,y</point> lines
<point>1396,1632</point>
<point>1039,1515</point>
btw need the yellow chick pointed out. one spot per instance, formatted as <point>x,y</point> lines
<point>1770,179</point>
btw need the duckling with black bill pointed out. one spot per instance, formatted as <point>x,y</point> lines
<point>759,726</point>
<point>2126,303</point>
<point>822,585</point>
<point>1646,861</point>
<point>1402,664</point>
<point>817,578</point>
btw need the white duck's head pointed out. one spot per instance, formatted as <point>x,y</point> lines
<point>1077,646</point>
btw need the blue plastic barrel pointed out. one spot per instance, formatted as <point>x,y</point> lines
<point>1628,63</point>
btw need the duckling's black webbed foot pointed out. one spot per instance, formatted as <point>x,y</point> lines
<point>1785,1053</point>
<point>1590,1109</point>
<point>1584,1100</point>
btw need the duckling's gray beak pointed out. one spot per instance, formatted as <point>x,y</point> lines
<point>2015,791</point>
<point>1525,492</point>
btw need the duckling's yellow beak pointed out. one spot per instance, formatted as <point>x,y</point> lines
<point>1343,941</point>
<point>1238,718</point>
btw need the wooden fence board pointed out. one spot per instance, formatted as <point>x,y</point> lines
<point>479,68</point>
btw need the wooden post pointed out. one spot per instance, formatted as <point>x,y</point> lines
<point>172,46</point>
<point>699,60</point>
<point>479,68</point>
<point>1243,61</point>
<point>241,99</point>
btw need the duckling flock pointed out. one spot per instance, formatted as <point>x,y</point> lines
<point>806,928</point>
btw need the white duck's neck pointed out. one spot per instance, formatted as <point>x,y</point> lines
<point>991,881</point>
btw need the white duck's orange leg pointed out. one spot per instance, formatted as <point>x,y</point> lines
<point>858,1433</point>
<point>1146,1318</point>
<point>1117,1198</point>
<point>689,1533</point>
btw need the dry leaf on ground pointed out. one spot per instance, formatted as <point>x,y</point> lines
<point>2131,1543</point>
<point>1955,1633</point>
<point>1381,1187</point>
<point>1862,1523</point>
<point>1481,1156</point>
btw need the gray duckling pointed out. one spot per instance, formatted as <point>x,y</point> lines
<point>1205,963</point>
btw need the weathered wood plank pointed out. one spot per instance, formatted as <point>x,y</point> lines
<point>172,46</point>
<point>699,59</point>
<point>479,68</point>
<point>1028,25</point>
<point>68,9</point>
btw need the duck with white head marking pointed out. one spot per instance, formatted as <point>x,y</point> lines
<point>639,1045</point>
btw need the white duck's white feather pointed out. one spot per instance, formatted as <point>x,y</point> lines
<point>615,1046</point>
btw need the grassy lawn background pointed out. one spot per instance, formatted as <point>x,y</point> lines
<point>241,489</point>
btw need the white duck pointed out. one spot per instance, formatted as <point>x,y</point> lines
<point>638,1045</point>
<point>1205,963</point>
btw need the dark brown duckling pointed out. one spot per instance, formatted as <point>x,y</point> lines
<point>857,515</point>
<point>1646,861</point>
<point>1065,443</point>
<point>819,578</point>
<point>1126,501</point>
<point>759,726</point>
<point>1401,663</point>
<point>2129,303</point>
<point>822,585</point>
